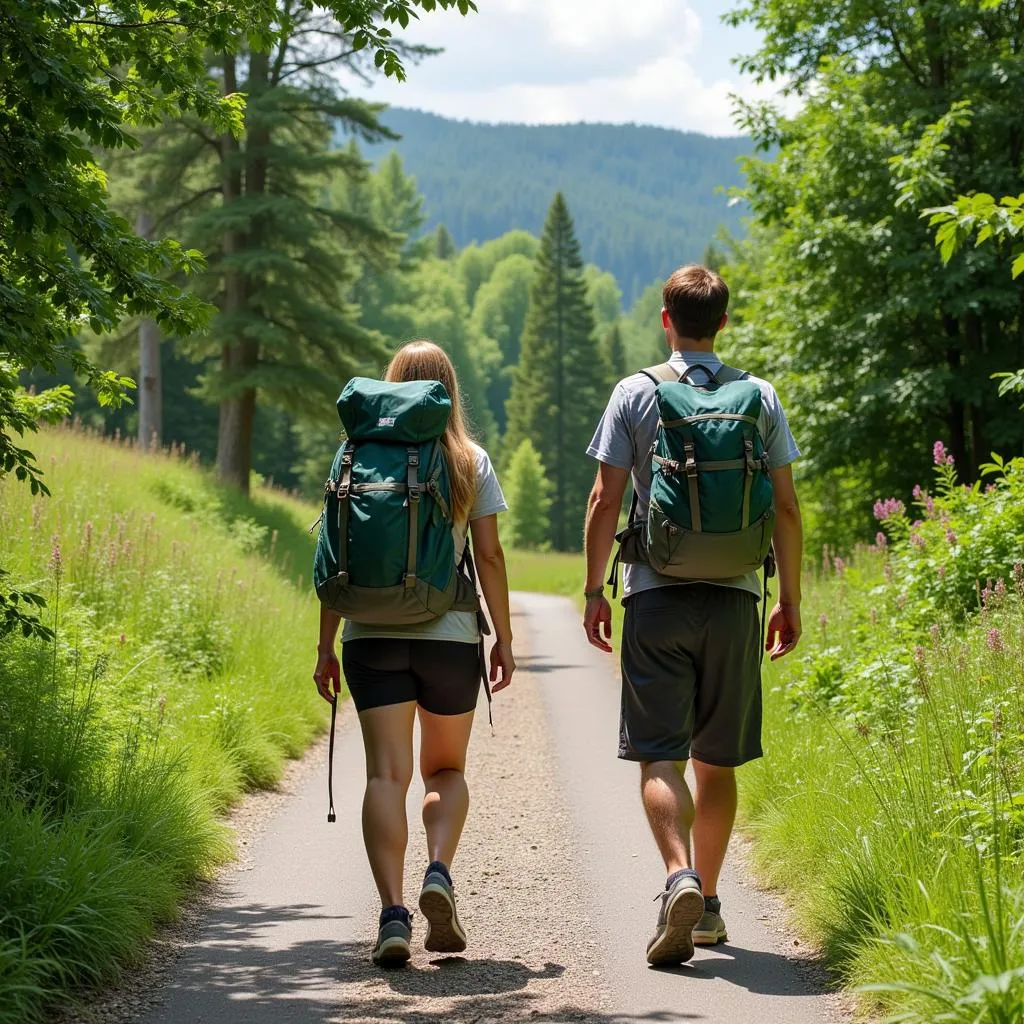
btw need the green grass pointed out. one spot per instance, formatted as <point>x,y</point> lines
<point>179,679</point>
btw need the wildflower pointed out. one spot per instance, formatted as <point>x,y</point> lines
<point>942,572</point>
<point>935,632</point>
<point>839,565</point>
<point>940,455</point>
<point>56,558</point>
<point>1000,589</point>
<point>917,540</point>
<point>1018,577</point>
<point>887,573</point>
<point>823,621</point>
<point>919,654</point>
<point>889,509</point>
<point>994,640</point>
<point>990,489</point>
<point>951,537</point>
<point>874,616</point>
<point>123,639</point>
<point>986,595</point>
<point>918,492</point>
<point>929,506</point>
<point>881,540</point>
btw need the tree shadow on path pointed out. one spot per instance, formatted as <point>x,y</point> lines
<point>244,972</point>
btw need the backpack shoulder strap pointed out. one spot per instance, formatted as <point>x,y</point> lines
<point>728,374</point>
<point>663,373</point>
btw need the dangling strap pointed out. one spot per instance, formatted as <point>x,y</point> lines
<point>768,570</point>
<point>344,491</point>
<point>331,816</point>
<point>468,566</point>
<point>748,479</point>
<point>613,577</point>
<point>414,516</point>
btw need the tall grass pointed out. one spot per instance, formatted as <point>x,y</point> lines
<point>178,680</point>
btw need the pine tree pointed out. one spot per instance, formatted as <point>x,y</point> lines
<point>613,352</point>
<point>444,244</point>
<point>529,499</point>
<point>280,256</point>
<point>560,387</point>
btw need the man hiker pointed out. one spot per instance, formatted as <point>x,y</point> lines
<point>715,445</point>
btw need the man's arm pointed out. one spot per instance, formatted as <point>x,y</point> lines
<point>784,627</point>
<point>599,539</point>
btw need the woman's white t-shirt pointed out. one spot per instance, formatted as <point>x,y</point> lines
<point>461,627</point>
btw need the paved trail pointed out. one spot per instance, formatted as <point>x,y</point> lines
<point>556,880</point>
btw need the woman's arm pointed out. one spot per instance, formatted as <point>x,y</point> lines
<point>490,569</point>
<point>328,668</point>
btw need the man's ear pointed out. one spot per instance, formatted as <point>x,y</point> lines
<point>666,320</point>
<point>725,320</point>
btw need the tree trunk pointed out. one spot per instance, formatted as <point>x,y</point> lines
<point>237,411</point>
<point>150,382</point>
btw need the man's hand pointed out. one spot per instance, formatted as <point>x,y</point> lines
<point>327,674</point>
<point>503,666</point>
<point>597,623</point>
<point>783,630</point>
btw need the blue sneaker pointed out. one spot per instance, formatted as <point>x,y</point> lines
<point>682,906</point>
<point>392,949</point>
<point>437,904</point>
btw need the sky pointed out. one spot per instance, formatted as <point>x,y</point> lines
<point>661,62</point>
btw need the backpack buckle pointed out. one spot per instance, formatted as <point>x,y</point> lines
<point>414,457</point>
<point>691,460</point>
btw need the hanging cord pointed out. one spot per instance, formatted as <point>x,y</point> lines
<point>468,567</point>
<point>331,816</point>
<point>769,573</point>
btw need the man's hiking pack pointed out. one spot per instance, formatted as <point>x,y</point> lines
<point>711,512</point>
<point>385,555</point>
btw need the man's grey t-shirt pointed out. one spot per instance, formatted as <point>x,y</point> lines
<point>626,434</point>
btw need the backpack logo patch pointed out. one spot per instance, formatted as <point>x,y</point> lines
<point>386,421</point>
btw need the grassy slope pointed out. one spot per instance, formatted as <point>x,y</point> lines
<point>179,679</point>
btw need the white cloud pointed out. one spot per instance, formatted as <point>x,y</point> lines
<point>553,61</point>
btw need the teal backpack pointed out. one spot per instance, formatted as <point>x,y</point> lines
<point>711,514</point>
<point>385,554</point>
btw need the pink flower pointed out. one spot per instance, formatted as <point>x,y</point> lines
<point>917,540</point>
<point>929,505</point>
<point>942,572</point>
<point>918,492</point>
<point>994,640</point>
<point>990,489</point>
<point>888,509</point>
<point>56,558</point>
<point>950,537</point>
<point>839,565</point>
<point>823,621</point>
<point>1000,589</point>
<point>940,455</point>
<point>935,631</point>
<point>919,654</point>
<point>881,540</point>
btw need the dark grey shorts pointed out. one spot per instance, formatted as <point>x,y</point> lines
<point>691,675</point>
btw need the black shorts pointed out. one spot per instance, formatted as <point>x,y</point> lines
<point>442,676</point>
<point>691,675</point>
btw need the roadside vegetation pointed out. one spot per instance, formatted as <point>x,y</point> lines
<point>889,808</point>
<point>176,681</point>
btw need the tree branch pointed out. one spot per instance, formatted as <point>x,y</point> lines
<point>184,205</point>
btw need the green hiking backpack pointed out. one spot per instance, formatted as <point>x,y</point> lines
<point>386,554</point>
<point>711,515</point>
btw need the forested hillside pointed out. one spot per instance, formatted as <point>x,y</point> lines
<point>644,199</point>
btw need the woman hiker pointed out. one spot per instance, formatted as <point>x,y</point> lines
<point>432,671</point>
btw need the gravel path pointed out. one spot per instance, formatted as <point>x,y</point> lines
<point>556,877</point>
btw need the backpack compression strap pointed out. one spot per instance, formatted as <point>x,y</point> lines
<point>344,490</point>
<point>414,516</point>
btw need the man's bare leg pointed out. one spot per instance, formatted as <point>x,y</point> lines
<point>713,821</point>
<point>670,810</point>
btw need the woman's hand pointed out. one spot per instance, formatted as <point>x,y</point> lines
<point>328,672</point>
<point>503,666</point>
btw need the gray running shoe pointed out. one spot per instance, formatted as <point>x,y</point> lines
<point>437,904</point>
<point>710,930</point>
<point>392,949</point>
<point>681,908</point>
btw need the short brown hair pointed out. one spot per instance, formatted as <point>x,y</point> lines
<point>696,300</point>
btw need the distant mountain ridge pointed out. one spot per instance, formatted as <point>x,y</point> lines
<point>644,199</point>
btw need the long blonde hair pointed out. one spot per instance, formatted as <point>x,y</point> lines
<point>423,360</point>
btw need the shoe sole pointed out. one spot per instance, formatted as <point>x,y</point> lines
<point>675,944</point>
<point>392,952</point>
<point>444,933</point>
<point>709,938</point>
